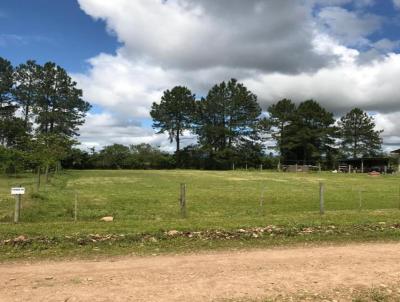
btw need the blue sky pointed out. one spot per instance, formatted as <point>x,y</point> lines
<point>51,30</point>
<point>343,53</point>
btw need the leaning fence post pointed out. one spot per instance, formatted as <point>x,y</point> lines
<point>182,200</point>
<point>321,198</point>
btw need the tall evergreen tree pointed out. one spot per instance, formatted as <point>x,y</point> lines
<point>27,78</point>
<point>60,108</point>
<point>174,114</point>
<point>311,135</point>
<point>228,116</point>
<point>281,115</point>
<point>10,125</point>
<point>358,134</point>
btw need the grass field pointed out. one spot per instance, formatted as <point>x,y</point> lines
<point>145,206</point>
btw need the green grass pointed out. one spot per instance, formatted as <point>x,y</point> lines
<point>146,202</point>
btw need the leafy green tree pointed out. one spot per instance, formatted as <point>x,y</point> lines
<point>78,159</point>
<point>60,108</point>
<point>145,156</point>
<point>174,114</point>
<point>49,149</point>
<point>12,160</point>
<point>115,156</point>
<point>227,117</point>
<point>358,134</point>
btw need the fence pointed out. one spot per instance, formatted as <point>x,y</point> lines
<point>234,199</point>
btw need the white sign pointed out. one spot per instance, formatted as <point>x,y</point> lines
<point>17,191</point>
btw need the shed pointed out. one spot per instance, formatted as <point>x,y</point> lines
<point>365,165</point>
<point>397,154</point>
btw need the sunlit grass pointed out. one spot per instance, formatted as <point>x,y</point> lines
<point>147,201</point>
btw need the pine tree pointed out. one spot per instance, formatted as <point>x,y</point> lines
<point>358,135</point>
<point>27,78</point>
<point>281,115</point>
<point>60,108</point>
<point>10,125</point>
<point>228,116</point>
<point>311,134</point>
<point>174,114</point>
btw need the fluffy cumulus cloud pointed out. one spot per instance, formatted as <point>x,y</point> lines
<point>300,50</point>
<point>106,129</point>
<point>350,28</point>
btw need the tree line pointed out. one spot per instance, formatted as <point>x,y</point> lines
<point>41,110</point>
<point>230,128</point>
<point>232,131</point>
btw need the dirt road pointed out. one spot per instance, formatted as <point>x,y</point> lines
<point>219,276</point>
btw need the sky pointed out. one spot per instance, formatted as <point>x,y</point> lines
<point>125,53</point>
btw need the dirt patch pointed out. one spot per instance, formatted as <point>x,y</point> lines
<point>335,272</point>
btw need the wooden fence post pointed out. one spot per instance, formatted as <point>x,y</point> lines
<point>38,179</point>
<point>76,208</point>
<point>262,198</point>
<point>359,199</point>
<point>321,198</point>
<point>17,208</point>
<point>398,196</point>
<point>182,200</point>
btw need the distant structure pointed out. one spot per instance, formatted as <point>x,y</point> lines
<point>366,165</point>
<point>300,166</point>
<point>397,154</point>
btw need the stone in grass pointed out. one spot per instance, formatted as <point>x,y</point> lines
<point>173,233</point>
<point>107,219</point>
<point>20,238</point>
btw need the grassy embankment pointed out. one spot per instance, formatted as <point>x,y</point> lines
<point>224,211</point>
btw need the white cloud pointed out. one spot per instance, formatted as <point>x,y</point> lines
<point>127,87</point>
<point>396,3</point>
<point>276,47</point>
<point>390,123</point>
<point>190,34</point>
<point>102,129</point>
<point>351,28</point>
<point>339,88</point>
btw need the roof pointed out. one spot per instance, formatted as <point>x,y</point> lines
<point>366,160</point>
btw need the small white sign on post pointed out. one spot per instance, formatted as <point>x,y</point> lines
<point>17,191</point>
